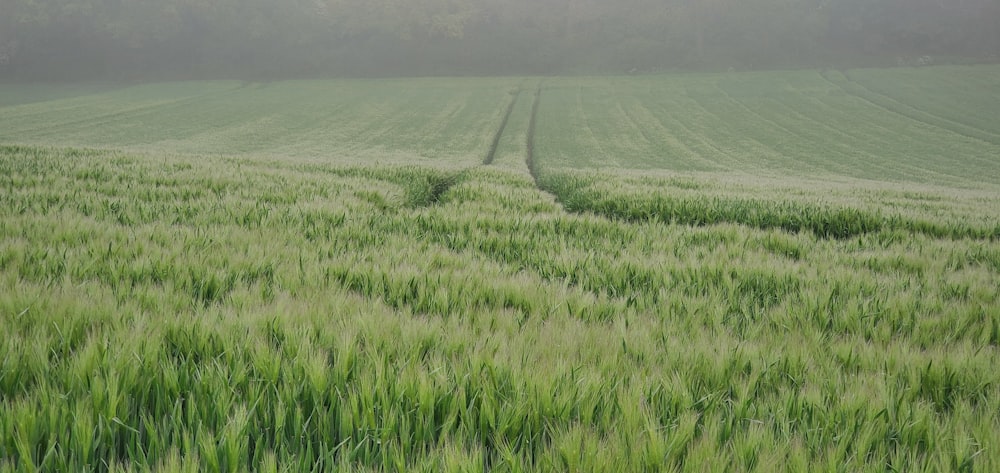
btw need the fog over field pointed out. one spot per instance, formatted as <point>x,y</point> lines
<point>499,236</point>
<point>146,39</point>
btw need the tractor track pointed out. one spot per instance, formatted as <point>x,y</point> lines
<point>491,154</point>
<point>532,122</point>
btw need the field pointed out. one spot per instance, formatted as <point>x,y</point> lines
<point>769,271</point>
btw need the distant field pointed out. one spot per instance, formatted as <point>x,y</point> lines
<point>907,125</point>
<point>781,271</point>
<point>378,121</point>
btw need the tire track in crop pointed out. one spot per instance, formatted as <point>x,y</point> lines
<point>492,153</point>
<point>438,186</point>
<point>428,189</point>
<point>529,158</point>
<point>529,155</point>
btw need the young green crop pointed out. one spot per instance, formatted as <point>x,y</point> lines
<point>189,313</point>
<point>866,124</point>
<point>278,308</point>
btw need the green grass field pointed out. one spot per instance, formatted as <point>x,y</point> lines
<point>774,271</point>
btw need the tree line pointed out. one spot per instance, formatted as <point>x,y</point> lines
<point>67,39</point>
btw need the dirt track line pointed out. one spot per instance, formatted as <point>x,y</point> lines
<point>529,158</point>
<point>491,154</point>
<point>530,155</point>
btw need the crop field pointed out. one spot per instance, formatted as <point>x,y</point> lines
<point>768,271</point>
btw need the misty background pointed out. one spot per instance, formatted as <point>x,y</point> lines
<point>272,39</point>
